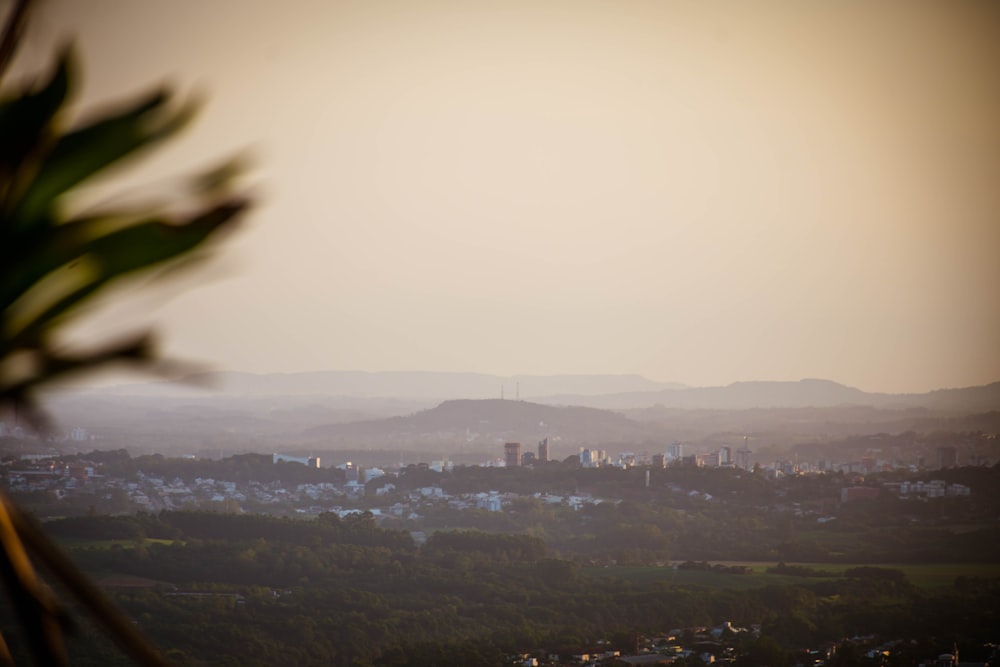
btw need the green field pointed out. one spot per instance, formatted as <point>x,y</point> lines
<point>925,575</point>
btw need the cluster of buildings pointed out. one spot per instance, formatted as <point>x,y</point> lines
<point>514,458</point>
<point>45,473</point>
<point>36,472</point>
<point>413,503</point>
<point>935,488</point>
<point>742,458</point>
<point>720,645</point>
<point>917,490</point>
<point>724,457</point>
<point>705,645</point>
<point>18,432</point>
<point>145,491</point>
<point>151,492</point>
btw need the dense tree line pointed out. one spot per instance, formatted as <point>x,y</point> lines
<point>347,592</point>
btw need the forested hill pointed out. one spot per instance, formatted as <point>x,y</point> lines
<point>495,418</point>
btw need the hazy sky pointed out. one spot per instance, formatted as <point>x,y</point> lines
<point>696,192</point>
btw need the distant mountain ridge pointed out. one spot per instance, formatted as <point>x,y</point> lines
<point>808,393</point>
<point>396,384</point>
<point>272,412</point>
<point>816,394</point>
<point>735,396</point>
<point>613,392</point>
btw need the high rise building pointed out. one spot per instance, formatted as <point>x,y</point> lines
<point>543,451</point>
<point>675,452</point>
<point>744,459</point>
<point>725,455</point>
<point>512,454</point>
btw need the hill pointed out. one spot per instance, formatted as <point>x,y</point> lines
<point>488,422</point>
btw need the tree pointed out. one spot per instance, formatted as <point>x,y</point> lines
<point>763,652</point>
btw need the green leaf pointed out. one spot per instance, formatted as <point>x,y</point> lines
<point>25,122</point>
<point>136,349</point>
<point>43,250</point>
<point>85,152</point>
<point>117,254</point>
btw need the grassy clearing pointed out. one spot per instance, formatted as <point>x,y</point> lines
<point>924,575</point>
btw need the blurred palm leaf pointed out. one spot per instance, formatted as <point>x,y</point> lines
<point>53,262</point>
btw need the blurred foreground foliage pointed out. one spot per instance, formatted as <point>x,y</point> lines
<point>54,260</point>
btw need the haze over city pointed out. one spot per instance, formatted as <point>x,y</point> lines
<point>699,194</point>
